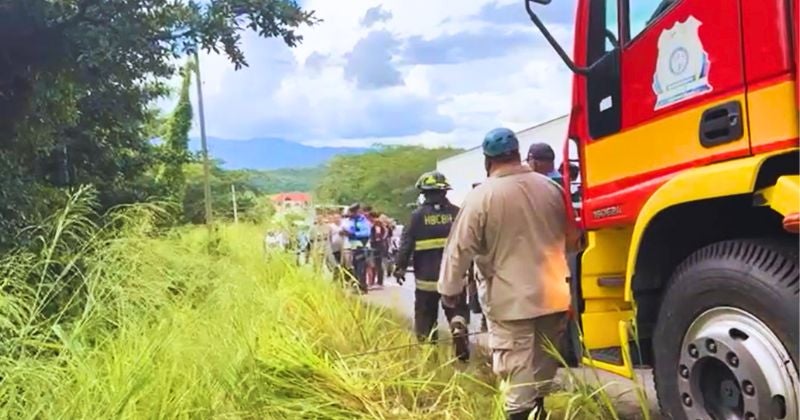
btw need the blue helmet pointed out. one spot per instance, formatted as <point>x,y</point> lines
<point>500,141</point>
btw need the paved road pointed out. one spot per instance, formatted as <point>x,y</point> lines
<point>401,298</point>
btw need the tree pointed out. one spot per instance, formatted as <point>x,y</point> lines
<point>78,79</point>
<point>252,202</point>
<point>383,178</point>
<point>175,149</point>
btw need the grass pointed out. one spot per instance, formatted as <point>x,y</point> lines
<point>583,395</point>
<point>114,317</point>
<point>124,321</point>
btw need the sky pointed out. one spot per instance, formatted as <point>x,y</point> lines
<point>428,72</point>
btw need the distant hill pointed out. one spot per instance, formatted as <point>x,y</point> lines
<point>269,153</point>
<point>285,180</point>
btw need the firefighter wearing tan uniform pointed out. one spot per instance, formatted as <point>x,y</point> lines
<point>515,227</point>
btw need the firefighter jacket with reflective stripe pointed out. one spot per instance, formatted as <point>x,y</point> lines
<point>425,237</point>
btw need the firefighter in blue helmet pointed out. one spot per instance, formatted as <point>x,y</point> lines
<point>425,238</point>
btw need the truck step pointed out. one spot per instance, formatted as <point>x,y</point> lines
<point>608,355</point>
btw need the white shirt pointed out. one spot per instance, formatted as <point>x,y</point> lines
<point>336,238</point>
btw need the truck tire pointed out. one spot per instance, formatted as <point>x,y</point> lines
<point>726,340</point>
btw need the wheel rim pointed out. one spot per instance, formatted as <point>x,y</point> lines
<point>732,366</point>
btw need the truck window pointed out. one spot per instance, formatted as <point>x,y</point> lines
<point>602,82</point>
<point>612,25</point>
<point>643,12</point>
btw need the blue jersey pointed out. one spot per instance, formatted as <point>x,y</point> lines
<point>556,177</point>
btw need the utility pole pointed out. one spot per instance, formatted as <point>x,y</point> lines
<point>233,198</point>
<point>204,145</point>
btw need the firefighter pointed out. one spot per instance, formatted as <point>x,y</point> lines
<point>516,228</point>
<point>424,237</point>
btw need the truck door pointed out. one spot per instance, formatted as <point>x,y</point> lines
<point>681,99</point>
<point>682,85</point>
<point>666,92</point>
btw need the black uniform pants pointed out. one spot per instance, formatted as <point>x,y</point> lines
<point>360,267</point>
<point>426,313</point>
<point>379,273</point>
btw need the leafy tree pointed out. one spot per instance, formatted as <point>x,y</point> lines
<point>78,77</point>
<point>252,203</point>
<point>175,150</point>
<point>286,180</point>
<point>383,178</point>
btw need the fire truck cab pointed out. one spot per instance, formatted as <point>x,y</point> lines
<point>684,123</point>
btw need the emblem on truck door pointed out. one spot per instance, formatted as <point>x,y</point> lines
<point>682,65</point>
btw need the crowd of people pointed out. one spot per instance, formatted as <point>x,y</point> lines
<point>360,243</point>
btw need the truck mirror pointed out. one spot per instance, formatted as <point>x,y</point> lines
<point>551,40</point>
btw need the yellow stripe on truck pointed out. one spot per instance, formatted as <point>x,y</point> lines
<point>656,145</point>
<point>428,244</point>
<point>773,114</point>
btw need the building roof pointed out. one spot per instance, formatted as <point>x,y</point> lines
<point>518,133</point>
<point>300,197</point>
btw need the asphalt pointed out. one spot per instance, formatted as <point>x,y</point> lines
<point>622,390</point>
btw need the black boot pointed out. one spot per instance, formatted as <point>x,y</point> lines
<point>460,339</point>
<point>539,413</point>
<point>536,413</point>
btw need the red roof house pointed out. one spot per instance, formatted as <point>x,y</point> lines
<point>291,199</point>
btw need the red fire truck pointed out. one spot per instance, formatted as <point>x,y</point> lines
<point>684,123</point>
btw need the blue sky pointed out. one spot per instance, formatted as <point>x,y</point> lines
<point>394,71</point>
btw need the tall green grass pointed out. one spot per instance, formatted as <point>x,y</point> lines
<point>117,319</point>
<point>114,317</point>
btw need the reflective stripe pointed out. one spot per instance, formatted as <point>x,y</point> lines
<point>428,244</point>
<point>427,285</point>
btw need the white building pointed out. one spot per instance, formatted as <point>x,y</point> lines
<point>467,168</point>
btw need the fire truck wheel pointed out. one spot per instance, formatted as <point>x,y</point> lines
<point>726,341</point>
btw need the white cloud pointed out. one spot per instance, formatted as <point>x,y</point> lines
<point>285,94</point>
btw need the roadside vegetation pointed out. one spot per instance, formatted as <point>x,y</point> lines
<point>120,320</point>
<point>114,316</point>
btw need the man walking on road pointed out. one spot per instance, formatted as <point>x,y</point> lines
<point>515,227</point>
<point>425,237</point>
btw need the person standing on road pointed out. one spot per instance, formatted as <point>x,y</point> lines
<point>425,237</point>
<point>379,244</point>
<point>542,158</point>
<point>515,227</point>
<point>358,233</point>
<point>336,242</point>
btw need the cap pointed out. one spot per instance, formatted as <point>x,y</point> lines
<point>541,151</point>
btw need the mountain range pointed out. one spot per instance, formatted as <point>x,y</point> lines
<point>269,153</point>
